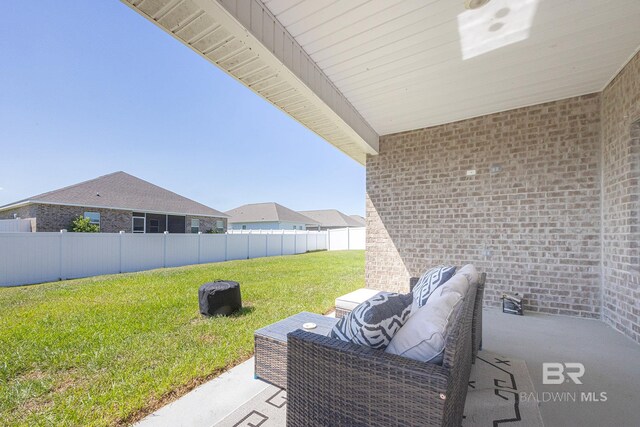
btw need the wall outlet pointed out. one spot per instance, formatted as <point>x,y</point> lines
<point>471,172</point>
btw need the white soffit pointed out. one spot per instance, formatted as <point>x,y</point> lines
<point>408,64</point>
<point>245,40</point>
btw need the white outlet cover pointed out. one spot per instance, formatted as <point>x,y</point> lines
<point>471,172</point>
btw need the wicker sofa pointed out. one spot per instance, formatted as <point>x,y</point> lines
<point>336,383</point>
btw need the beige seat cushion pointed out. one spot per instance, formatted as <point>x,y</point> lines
<point>349,301</point>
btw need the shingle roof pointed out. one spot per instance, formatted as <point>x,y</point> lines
<point>266,212</point>
<point>359,219</point>
<point>331,218</point>
<point>119,190</point>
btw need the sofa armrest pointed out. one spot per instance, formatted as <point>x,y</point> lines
<point>331,382</point>
<point>413,281</point>
<point>476,337</point>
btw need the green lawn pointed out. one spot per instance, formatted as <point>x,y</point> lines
<point>109,349</point>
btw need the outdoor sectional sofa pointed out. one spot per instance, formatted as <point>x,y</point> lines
<point>335,383</point>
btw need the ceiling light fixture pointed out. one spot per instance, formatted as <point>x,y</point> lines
<point>475,4</point>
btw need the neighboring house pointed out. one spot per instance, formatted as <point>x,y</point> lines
<point>267,216</point>
<point>330,218</point>
<point>118,202</point>
<point>359,219</point>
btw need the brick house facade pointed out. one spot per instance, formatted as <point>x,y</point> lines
<point>53,218</point>
<point>117,198</point>
<point>551,212</point>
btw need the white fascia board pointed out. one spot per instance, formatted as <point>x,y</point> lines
<point>259,52</point>
<point>313,83</point>
<point>16,205</point>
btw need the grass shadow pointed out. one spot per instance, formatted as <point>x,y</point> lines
<point>243,311</point>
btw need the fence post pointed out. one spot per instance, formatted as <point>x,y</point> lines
<point>282,243</point>
<point>199,246</point>
<point>295,242</point>
<point>120,251</point>
<point>327,240</point>
<point>226,246</point>
<point>307,233</point>
<point>164,255</point>
<point>348,238</point>
<point>61,255</point>
<point>248,244</point>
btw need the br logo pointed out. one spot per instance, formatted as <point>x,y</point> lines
<point>555,373</point>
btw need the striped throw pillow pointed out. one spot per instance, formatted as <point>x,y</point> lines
<point>374,322</point>
<point>430,281</point>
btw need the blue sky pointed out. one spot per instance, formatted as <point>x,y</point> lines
<point>90,87</point>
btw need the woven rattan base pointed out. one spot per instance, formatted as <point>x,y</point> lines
<point>271,345</point>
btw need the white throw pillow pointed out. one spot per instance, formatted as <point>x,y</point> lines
<point>423,336</point>
<point>460,282</point>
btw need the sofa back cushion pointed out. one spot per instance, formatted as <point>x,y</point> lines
<point>423,336</point>
<point>460,282</point>
<point>374,322</point>
<point>429,282</point>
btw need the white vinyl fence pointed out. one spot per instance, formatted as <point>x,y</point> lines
<point>27,258</point>
<point>340,239</point>
<point>343,239</point>
<point>15,226</point>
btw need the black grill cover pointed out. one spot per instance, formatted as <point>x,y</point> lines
<point>220,298</point>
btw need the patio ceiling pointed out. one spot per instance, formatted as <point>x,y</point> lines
<point>353,70</point>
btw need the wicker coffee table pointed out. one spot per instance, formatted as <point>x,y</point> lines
<point>271,345</point>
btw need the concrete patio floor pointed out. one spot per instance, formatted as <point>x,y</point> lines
<point>611,362</point>
<point>209,403</point>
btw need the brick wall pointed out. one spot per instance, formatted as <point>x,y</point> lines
<point>55,218</point>
<point>534,226</point>
<point>620,202</point>
<point>206,223</point>
<point>28,211</point>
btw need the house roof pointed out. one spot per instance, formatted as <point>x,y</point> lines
<point>119,190</point>
<point>360,219</point>
<point>331,218</point>
<point>266,212</point>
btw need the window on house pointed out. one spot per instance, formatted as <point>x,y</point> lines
<point>154,226</point>
<point>94,217</point>
<point>138,224</point>
<point>195,225</point>
<point>244,227</point>
<point>219,225</point>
